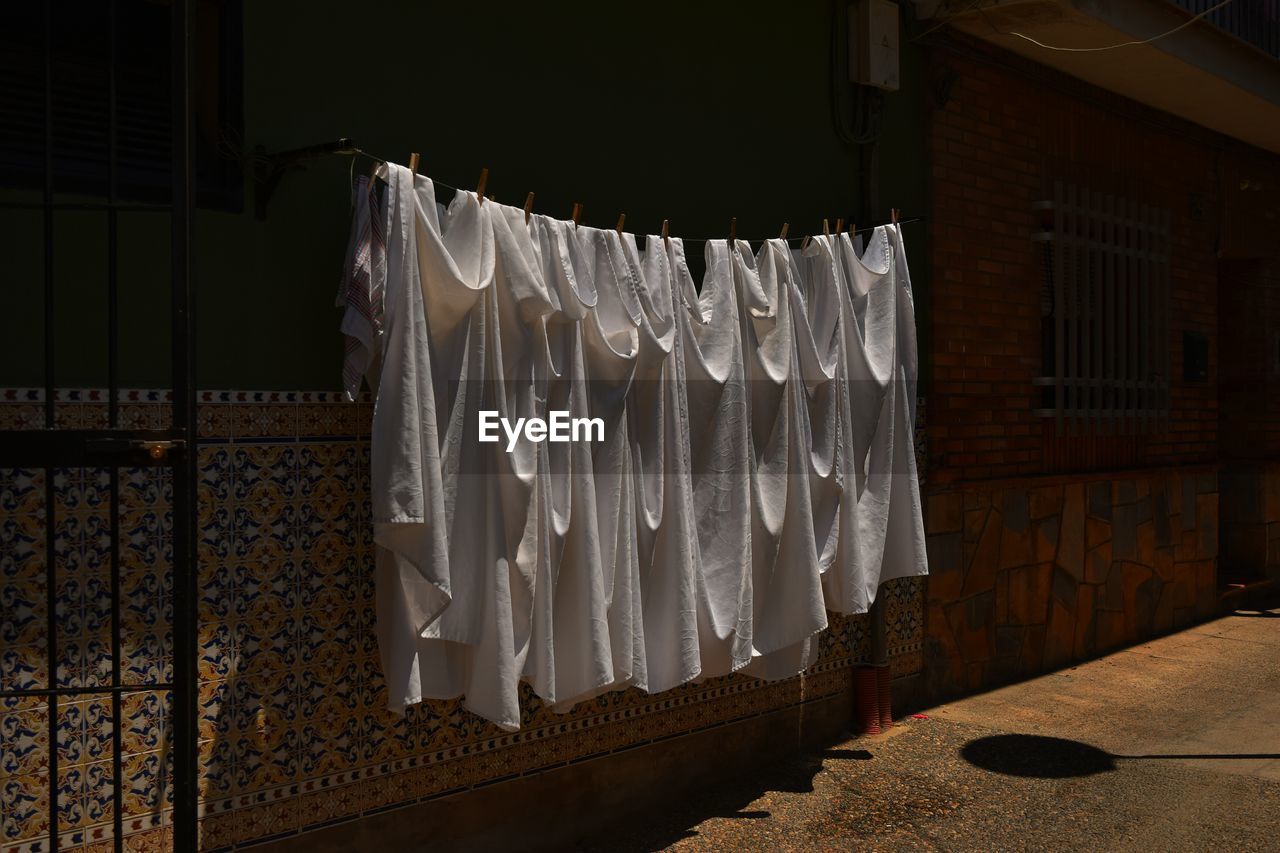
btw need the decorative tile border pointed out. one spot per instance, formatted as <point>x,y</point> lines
<point>165,395</point>
<point>222,416</point>
<point>308,807</point>
<point>730,698</point>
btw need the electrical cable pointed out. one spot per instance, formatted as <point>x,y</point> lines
<point>1155,38</point>
<point>977,5</point>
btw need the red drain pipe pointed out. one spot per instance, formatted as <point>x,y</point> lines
<point>884,692</point>
<point>873,700</point>
<point>866,700</point>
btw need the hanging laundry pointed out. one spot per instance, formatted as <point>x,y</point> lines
<point>659,428</point>
<point>788,605</point>
<point>756,465</point>
<point>360,290</point>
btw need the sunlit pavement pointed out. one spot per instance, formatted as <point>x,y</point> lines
<point>1170,745</point>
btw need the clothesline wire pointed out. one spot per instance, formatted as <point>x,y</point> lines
<point>360,152</point>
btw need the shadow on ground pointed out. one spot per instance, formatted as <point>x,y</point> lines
<point>729,798</point>
<point>1037,756</point>
<point>1040,757</point>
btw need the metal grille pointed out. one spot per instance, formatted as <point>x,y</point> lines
<point>1255,22</point>
<point>1104,312</point>
<point>60,456</point>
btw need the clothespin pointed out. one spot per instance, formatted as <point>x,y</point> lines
<point>840,225</point>
<point>804,244</point>
<point>853,229</point>
<point>622,217</point>
<point>826,229</point>
<point>413,163</point>
<point>484,179</point>
<point>577,213</point>
<point>893,215</point>
<point>665,238</point>
<point>786,226</point>
<point>733,231</point>
<point>528,207</point>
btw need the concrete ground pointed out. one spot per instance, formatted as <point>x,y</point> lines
<point>1170,745</point>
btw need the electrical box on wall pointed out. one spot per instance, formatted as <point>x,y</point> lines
<point>873,44</point>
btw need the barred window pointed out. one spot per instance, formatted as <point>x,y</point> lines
<point>1104,308</point>
<point>84,67</point>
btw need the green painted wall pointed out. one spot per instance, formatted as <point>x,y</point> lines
<point>689,112</point>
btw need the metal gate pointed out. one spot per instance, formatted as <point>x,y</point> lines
<point>60,453</point>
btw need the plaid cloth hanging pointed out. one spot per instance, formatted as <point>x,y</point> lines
<point>361,287</point>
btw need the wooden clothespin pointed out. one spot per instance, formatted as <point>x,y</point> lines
<point>413,163</point>
<point>665,239</point>
<point>484,179</point>
<point>622,218</point>
<point>840,225</point>
<point>733,231</point>
<point>528,207</point>
<point>786,226</point>
<point>577,213</point>
<point>804,244</point>
<point>893,215</point>
<point>853,229</point>
<point>826,229</point>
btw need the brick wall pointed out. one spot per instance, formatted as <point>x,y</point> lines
<point>1002,138</point>
<point>1046,548</point>
<point>1249,305</point>
<point>1249,313</point>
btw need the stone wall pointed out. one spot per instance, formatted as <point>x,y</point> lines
<point>1027,576</point>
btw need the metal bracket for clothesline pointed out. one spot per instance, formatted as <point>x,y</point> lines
<point>268,169</point>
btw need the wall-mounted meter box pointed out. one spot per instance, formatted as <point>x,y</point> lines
<point>873,43</point>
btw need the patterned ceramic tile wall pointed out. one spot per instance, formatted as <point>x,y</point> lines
<point>294,731</point>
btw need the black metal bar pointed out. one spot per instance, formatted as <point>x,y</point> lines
<point>83,691</point>
<point>113,234</point>
<point>270,168</point>
<point>77,448</point>
<point>84,205</point>
<point>117,646</point>
<point>113,421</point>
<point>50,416</point>
<point>185,762</point>
<point>342,145</point>
<point>51,644</point>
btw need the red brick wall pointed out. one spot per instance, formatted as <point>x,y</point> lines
<point>1031,572</point>
<point>998,144</point>
<point>1249,306</point>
